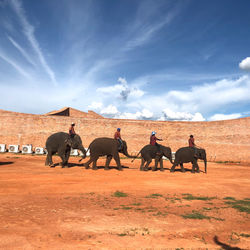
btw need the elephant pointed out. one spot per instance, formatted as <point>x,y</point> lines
<point>149,152</point>
<point>187,154</point>
<point>62,143</point>
<point>109,147</point>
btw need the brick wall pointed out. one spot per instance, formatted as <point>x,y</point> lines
<point>223,140</point>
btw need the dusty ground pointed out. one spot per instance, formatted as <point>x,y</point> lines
<point>75,208</point>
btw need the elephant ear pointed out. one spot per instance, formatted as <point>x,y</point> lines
<point>69,142</point>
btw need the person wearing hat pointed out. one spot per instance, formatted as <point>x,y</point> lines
<point>72,130</point>
<point>118,137</point>
<point>192,144</point>
<point>153,140</point>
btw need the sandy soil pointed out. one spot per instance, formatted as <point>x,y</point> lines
<point>75,208</point>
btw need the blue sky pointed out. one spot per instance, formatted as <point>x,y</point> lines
<point>158,60</point>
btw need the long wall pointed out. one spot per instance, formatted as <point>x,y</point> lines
<point>223,140</point>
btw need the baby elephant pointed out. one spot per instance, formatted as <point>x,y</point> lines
<point>150,152</point>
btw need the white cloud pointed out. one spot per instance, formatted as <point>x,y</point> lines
<point>110,110</point>
<point>122,90</point>
<point>218,117</point>
<point>245,64</point>
<point>188,105</point>
<point>144,114</point>
<point>169,114</point>
<point>122,80</point>
<point>208,97</point>
<point>95,105</point>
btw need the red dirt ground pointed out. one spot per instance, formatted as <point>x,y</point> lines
<point>75,208</point>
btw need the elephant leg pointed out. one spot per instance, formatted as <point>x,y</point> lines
<point>194,163</point>
<point>62,154</point>
<point>67,154</point>
<point>142,164</point>
<point>64,164</point>
<point>173,167</point>
<point>197,168</point>
<point>147,164</point>
<point>157,159</point>
<point>161,164</point>
<point>182,168</point>
<point>108,160</point>
<point>86,164</point>
<point>94,167</point>
<point>49,161</point>
<point>117,160</point>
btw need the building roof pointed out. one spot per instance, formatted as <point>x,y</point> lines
<point>68,111</point>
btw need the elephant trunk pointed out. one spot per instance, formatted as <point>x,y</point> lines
<point>125,152</point>
<point>205,164</point>
<point>170,157</point>
<point>84,152</point>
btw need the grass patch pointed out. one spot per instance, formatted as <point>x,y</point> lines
<point>119,194</point>
<point>195,215</point>
<point>126,207</point>
<point>173,199</point>
<point>136,204</point>
<point>160,214</point>
<point>245,235</point>
<point>229,198</point>
<point>123,234</point>
<point>154,196</point>
<point>240,205</point>
<point>190,197</point>
<point>199,216</point>
<point>207,208</point>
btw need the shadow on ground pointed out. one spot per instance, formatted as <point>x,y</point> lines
<point>225,246</point>
<point>6,163</point>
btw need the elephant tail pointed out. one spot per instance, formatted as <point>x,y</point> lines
<point>136,156</point>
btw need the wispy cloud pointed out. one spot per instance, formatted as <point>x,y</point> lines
<point>15,65</point>
<point>28,30</point>
<point>146,24</point>
<point>21,50</point>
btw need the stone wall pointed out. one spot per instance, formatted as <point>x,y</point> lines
<point>223,140</point>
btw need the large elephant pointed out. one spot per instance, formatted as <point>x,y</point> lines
<point>150,152</point>
<point>62,143</point>
<point>187,154</point>
<point>109,147</point>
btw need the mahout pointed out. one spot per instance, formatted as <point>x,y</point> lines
<point>108,147</point>
<point>62,143</point>
<point>189,154</point>
<point>150,152</point>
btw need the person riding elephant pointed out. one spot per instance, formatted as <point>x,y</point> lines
<point>62,143</point>
<point>192,145</point>
<point>106,147</point>
<point>153,140</point>
<point>186,154</point>
<point>150,152</point>
<point>72,130</point>
<point>117,136</point>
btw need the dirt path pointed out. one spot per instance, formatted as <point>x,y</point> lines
<point>75,208</point>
